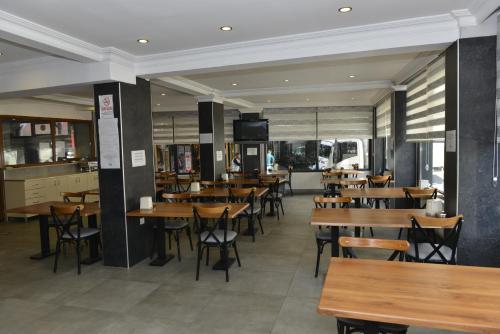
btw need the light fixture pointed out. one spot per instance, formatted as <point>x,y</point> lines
<point>345,9</point>
<point>352,76</point>
<point>234,84</point>
<point>308,99</point>
<point>142,41</point>
<point>158,104</point>
<point>163,94</point>
<point>226,28</point>
<point>268,101</point>
<point>286,80</point>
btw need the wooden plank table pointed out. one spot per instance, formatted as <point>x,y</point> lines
<point>337,181</point>
<point>91,210</point>
<point>223,192</point>
<point>457,298</point>
<point>179,210</point>
<point>336,218</point>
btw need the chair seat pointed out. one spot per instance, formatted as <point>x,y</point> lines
<point>176,224</point>
<point>256,211</point>
<point>84,233</point>
<point>382,326</point>
<point>326,234</point>
<point>219,234</point>
<point>424,249</point>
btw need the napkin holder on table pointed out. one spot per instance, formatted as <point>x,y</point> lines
<point>146,203</point>
<point>195,186</point>
<point>224,176</point>
<point>433,207</point>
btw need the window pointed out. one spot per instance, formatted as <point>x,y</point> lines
<point>338,153</point>
<point>302,155</point>
<point>31,142</point>
<point>431,166</point>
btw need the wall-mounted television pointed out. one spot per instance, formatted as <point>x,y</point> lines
<point>251,130</point>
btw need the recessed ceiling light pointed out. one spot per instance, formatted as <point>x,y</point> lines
<point>352,76</point>
<point>308,99</point>
<point>234,84</point>
<point>226,28</point>
<point>353,98</point>
<point>142,41</point>
<point>163,94</point>
<point>345,9</point>
<point>158,104</point>
<point>268,101</point>
<point>286,80</point>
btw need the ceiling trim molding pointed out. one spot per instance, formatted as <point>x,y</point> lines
<point>482,9</point>
<point>311,104</point>
<point>338,87</point>
<point>210,98</point>
<point>388,35</point>
<point>83,101</point>
<point>464,17</point>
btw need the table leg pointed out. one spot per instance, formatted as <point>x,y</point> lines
<point>162,257</point>
<point>357,202</point>
<point>93,243</point>
<point>271,209</point>
<point>45,251</point>
<point>335,240</point>
<point>220,265</point>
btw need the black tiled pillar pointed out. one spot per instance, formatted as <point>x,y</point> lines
<point>124,242</point>
<point>470,111</point>
<point>211,124</point>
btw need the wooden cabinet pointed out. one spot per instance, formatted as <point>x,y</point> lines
<point>33,191</point>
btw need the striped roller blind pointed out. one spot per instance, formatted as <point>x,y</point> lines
<point>229,117</point>
<point>186,130</point>
<point>425,104</point>
<point>383,117</point>
<point>345,122</point>
<point>291,123</point>
<point>163,128</point>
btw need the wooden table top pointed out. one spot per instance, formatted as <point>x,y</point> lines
<point>459,298</point>
<point>390,218</point>
<point>337,180</point>
<point>173,181</point>
<point>91,192</point>
<point>335,172</point>
<point>223,192</point>
<point>185,210</point>
<point>374,193</point>
<point>43,209</point>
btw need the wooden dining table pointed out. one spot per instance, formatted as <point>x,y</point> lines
<point>163,210</point>
<point>216,192</point>
<point>90,210</point>
<point>358,217</point>
<point>449,297</point>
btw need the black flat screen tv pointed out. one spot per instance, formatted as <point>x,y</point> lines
<point>251,130</point>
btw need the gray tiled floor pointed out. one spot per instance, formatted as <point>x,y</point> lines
<point>273,292</point>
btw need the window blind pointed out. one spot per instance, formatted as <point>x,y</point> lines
<point>383,117</point>
<point>291,123</point>
<point>186,129</point>
<point>229,117</point>
<point>425,104</point>
<point>163,128</point>
<point>345,122</point>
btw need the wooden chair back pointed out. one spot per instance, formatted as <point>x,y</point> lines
<point>398,247</point>
<point>378,181</point>
<point>414,196</point>
<point>353,183</point>
<point>208,184</point>
<point>68,196</point>
<point>176,197</point>
<point>322,202</point>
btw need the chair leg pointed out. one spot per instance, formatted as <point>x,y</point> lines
<point>208,255</point>
<point>188,231</point>
<point>237,254</point>
<point>169,240</point>
<point>281,205</point>
<point>56,258</point>
<point>198,260</point>
<point>260,224</point>
<point>226,262</point>
<point>78,256</point>
<point>371,232</point>
<point>318,254</point>
<point>290,186</point>
<point>178,241</point>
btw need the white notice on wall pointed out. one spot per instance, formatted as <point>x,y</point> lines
<point>109,143</point>
<point>451,141</point>
<point>106,106</point>
<point>138,158</point>
<point>251,150</point>
<point>206,138</point>
<point>219,156</point>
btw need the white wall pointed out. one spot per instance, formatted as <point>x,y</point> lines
<point>41,108</point>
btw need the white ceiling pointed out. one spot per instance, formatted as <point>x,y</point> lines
<point>179,25</point>
<point>12,52</point>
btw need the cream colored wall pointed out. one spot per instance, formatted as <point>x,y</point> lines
<point>41,108</point>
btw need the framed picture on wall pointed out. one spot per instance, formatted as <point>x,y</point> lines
<point>42,129</point>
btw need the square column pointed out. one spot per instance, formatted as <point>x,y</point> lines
<point>212,149</point>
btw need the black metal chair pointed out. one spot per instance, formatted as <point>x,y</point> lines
<point>176,225</point>
<point>69,229</point>
<point>289,180</point>
<point>212,224</point>
<point>399,249</point>
<point>379,181</point>
<point>414,196</point>
<point>70,197</point>
<point>324,237</point>
<point>434,240</point>
<point>246,195</point>
<point>274,196</point>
